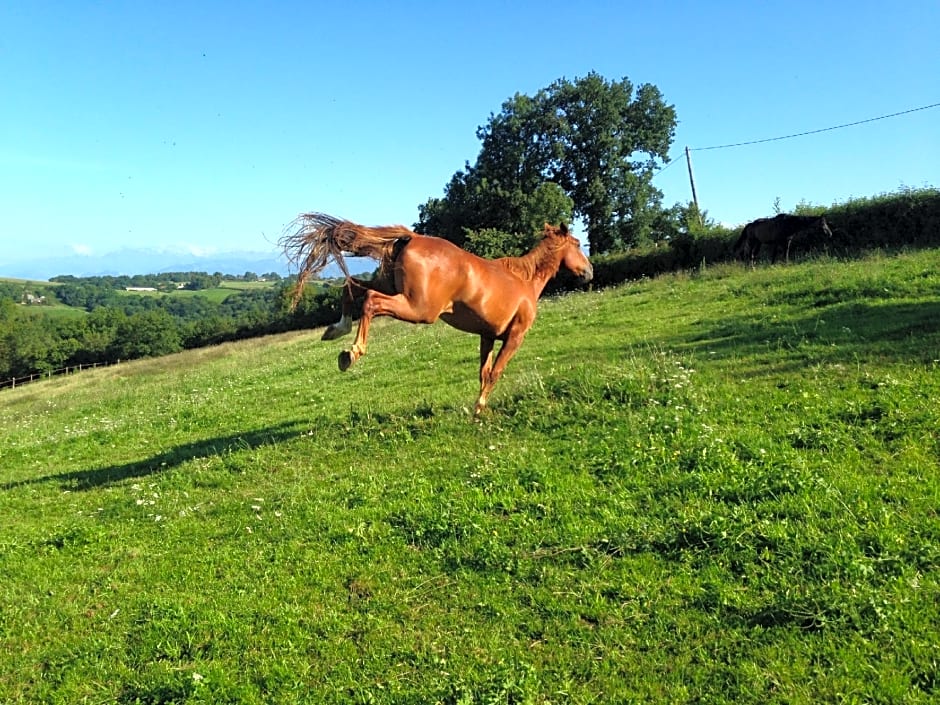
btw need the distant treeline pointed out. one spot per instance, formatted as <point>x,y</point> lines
<point>37,339</point>
<point>118,326</point>
<point>166,281</point>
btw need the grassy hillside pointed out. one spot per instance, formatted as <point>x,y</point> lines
<point>720,487</point>
<point>50,307</point>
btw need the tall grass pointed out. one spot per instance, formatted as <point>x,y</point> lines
<point>710,487</point>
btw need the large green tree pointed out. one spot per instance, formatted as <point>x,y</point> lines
<point>146,334</point>
<point>599,141</point>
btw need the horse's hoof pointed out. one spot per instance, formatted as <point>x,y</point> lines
<point>346,360</point>
<point>330,334</point>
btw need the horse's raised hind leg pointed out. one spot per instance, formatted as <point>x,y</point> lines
<point>379,304</point>
<point>348,307</point>
<point>358,349</point>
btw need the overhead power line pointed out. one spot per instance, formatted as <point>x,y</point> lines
<point>665,166</point>
<point>813,132</point>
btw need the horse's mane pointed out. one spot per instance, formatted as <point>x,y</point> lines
<point>540,260</point>
<point>798,218</point>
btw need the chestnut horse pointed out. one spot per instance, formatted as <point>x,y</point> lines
<point>423,278</point>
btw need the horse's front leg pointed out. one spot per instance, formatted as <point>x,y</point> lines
<point>486,368</point>
<point>506,351</point>
<point>753,247</point>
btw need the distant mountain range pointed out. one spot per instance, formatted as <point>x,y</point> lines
<point>131,262</point>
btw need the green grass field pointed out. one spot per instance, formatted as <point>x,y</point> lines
<point>719,487</point>
<point>216,295</point>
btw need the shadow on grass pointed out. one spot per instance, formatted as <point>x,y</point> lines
<point>80,480</point>
<point>901,331</point>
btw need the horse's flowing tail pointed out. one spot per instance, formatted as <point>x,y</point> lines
<point>313,238</point>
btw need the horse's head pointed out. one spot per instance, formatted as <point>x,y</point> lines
<point>572,257</point>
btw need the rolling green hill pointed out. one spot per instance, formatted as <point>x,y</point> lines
<point>714,487</point>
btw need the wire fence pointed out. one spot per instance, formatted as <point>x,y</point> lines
<point>814,132</point>
<point>796,134</point>
<point>15,382</point>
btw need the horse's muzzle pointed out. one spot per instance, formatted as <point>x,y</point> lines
<point>587,275</point>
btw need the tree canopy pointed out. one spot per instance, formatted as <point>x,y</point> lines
<point>590,143</point>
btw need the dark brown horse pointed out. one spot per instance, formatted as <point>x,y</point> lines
<point>424,278</point>
<point>776,231</point>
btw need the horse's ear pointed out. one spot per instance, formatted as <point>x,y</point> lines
<point>563,229</point>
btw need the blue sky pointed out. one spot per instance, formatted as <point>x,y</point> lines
<point>207,126</point>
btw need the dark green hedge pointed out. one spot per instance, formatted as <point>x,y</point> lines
<point>908,218</point>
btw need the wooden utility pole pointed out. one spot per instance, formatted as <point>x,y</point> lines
<point>688,160</point>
